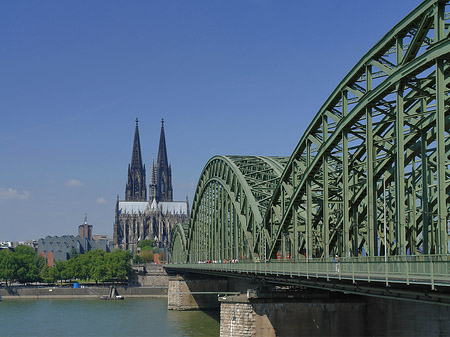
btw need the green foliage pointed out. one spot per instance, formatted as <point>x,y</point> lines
<point>9,265</point>
<point>146,245</point>
<point>24,265</point>
<point>147,256</point>
<point>119,266</point>
<point>73,253</point>
<point>137,259</point>
<point>147,251</point>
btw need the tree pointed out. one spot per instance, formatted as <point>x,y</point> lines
<point>147,256</point>
<point>58,271</point>
<point>45,274</point>
<point>119,266</point>
<point>137,259</point>
<point>9,266</point>
<point>28,264</point>
<point>73,268</point>
<point>98,265</point>
<point>146,245</point>
<point>73,253</point>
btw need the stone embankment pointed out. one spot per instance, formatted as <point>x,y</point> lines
<point>85,292</point>
<point>149,280</point>
<point>149,275</point>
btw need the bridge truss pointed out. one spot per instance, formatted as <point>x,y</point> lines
<point>369,177</point>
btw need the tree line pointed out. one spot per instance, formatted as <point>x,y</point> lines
<point>24,265</point>
<point>146,251</point>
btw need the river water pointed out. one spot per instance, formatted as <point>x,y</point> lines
<point>92,317</point>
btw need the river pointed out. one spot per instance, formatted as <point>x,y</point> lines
<point>92,317</point>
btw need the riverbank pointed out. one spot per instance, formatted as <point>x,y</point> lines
<point>85,292</point>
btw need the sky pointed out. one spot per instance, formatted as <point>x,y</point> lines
<point>229,77</point>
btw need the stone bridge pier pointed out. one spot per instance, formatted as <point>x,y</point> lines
<point>331,314</point>
<point>251,309</point>
<point>193,292</point>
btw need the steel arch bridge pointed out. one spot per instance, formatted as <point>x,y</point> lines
<point>369,177</point>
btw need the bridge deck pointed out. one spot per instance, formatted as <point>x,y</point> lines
<point>401,270</point>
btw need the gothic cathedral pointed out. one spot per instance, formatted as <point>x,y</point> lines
<point>138,218</point>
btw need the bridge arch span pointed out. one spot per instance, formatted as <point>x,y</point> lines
<point>370,174</point>
<point>178,244</point>
<point>232,195</point>
<point>369,177</point>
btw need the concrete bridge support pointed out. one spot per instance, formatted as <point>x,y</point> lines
<point>192,293</point>
<point>344,316</point>
<point>267,317</point>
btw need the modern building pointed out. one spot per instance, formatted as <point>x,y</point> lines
<point>59,248</point>
<point>138,218</point>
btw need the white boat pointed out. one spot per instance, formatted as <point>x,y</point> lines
<point>113,295</point>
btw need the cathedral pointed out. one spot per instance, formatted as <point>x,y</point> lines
<point>138,218</point>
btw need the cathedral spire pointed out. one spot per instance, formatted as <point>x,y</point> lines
<point>136,157</point>
<point>136,189</point>
<point>153,184</point>
<point>164,175</point>
<point>162,151</point>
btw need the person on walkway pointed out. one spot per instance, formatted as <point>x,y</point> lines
<point>336,261</point>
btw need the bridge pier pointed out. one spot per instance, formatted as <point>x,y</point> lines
<point>253,307</point>
<point>291,314</point>
<point>329,314</point>
<point>195,292</point>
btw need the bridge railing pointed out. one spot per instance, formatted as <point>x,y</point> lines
<point>427,269</point>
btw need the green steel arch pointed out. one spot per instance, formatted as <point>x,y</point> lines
<point>370,175</point>
<point>232,195</point>
<point>178,245</point>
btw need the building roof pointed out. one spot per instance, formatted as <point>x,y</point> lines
<point>132,207</point>
<point>135,207</point>
<point>173,207</point>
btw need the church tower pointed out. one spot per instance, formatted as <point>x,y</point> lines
<point>161,178</point>
<point>136,189</point>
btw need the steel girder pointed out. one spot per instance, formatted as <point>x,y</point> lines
<point>232,195</point>
<point>178,245</point>
<point>371,172</point>
<point>370,176</point>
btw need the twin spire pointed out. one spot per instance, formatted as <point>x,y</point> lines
<point>136,189</point>
<point>160,187</point>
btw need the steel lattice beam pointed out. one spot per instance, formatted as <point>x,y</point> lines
<point>369,177</point>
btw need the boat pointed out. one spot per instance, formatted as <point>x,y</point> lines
<point>113,295</point>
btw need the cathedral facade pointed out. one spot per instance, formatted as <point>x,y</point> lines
<point>138,218</point>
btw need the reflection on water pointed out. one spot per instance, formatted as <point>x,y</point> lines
<point>91,317</point>
<point>193,323</point>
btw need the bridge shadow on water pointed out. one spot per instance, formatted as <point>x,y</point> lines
<point>196,322</point>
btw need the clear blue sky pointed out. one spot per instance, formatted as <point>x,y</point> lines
<point>229,77</point>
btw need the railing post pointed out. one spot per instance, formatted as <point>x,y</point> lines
<point>368,270</point>
<point>386,272</point>
<point>407,272</point>
<point>353,271</point>
<point>432,274</point>
<point>326,262</point>
<point>307,269</point>
<point>339,269</point>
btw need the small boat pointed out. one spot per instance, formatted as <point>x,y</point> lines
<point>113,295</point>
<point>117,297</point>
